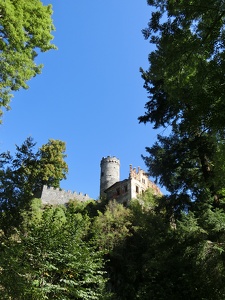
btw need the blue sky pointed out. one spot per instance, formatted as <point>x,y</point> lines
<point>90,92</point>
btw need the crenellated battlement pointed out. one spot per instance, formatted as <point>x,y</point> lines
<point>110,159</point>
<point>110,173</point>
<point>110,185</point>
<point>137,174</point>
<point>56,196</point>
<point>142,180</point>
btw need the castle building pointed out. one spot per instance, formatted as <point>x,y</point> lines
<point>56,196</point>
<point>110,185</point>
<point>123,191</point>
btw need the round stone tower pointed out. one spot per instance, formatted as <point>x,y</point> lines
<point>110,173</point>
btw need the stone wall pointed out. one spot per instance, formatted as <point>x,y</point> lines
<point>57,196</point>
<point>136,184</point>
<point>120,191</point>
<point>140,182</point>
<point>110,173</point>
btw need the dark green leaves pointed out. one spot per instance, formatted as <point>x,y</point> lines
<point>185,86</point>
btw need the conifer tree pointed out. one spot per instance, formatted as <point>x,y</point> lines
<point>185,86</point>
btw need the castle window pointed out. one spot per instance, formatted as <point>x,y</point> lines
<point>143,180</point>
<point>137,189</point>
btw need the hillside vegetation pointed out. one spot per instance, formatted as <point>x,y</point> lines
<point>170,247</point>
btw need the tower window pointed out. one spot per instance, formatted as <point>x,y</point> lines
<point>137,189</point>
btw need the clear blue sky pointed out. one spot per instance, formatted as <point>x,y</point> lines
<point>90,92</point>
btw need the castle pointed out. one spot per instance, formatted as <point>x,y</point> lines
<point>123,191</point>
<point>110,185</point>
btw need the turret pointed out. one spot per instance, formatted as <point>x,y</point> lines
<point>110,173</point>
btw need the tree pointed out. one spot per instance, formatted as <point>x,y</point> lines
<point>187,64</point>
<point>50,257</point>
<point>52,167</point>
<point>25,29</point>
<point>23,176</point>
<point>185,85</point>
<point>152,259</point>
<point>182,263</point>
<point>112,226</point>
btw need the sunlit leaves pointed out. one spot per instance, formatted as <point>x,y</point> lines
<point>50,257</point>
<point>111,227</point>
<point>23,176</point>
<point>25,30</point>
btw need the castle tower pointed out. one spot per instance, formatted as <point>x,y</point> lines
<point>110,173</point>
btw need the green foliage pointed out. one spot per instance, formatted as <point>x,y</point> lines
<point>163,260</point>
<point>52,167</point>
<point>186,72</point>
<point>68,252</point>
<point>185,165</point>
<point>25,29</point>
<point>49,257</point>
<point>184,83</point>
<point>111,227</point>
<point>146,201</point>
<point>128,260</point>
<point>23,176</point>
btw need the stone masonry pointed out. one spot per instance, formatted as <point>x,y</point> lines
<point>127,189</point>
<point>110,185</point>
<point>57,196</point>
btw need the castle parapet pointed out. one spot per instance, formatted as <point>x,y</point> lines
<point>142,181</point>
<point>138,175</point>
<point>55,196</point>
